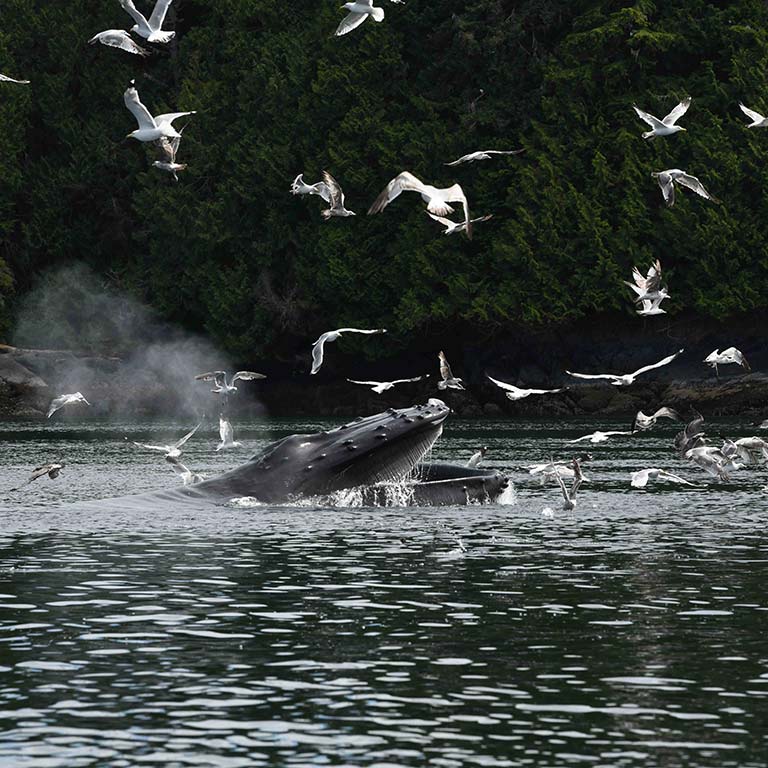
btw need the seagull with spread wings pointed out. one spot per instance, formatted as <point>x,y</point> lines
<point>188,477</point>
<point>454,227</point>
<point>151,29</point>
<point>6,79</point>
<point>447,379</point>
<point>640,478</point>
<point>666,126</point>
<point>484,154</point>
<point>648,288</point>
<point>624,380</point>
<point>172,450</point>
<point>643,422</point>
<point>669,178</point>
<point>169,148</point>
<point>730,356</point>
<point>318,348</point>
<point>359,11</point>
<point>380,387</point>
<point>220,384</point>
<point>150,128</point>
<point>437,199</point>
<point>600,437</point>
<point>320,188</point>
<point>62,400</point>
<point>119,38</point>
<point>517,393</point>
<point>758,120</point>
<point>337,199</point>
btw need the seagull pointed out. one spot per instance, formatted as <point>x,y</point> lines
<point>726,357</point>
<point>665,126</point>
<point>448,381</point>
<point>52,470</point>
<point>640,479</point>
<point>453,227</point>
<point>516,393</point>
<point>569,494</point>
<point>227,435</point>
<point>150,29</point>
<point>188,477</point>
<point>651,308</point>
<point>219,379</point>
<point>758,120</point>
<point>169,148</point>
<point>320,188</point>
<point>751,450</point>
<point>552,469</point>
<point>380,387</point>
<point>627,378</point>
<point>484,154</point>
<point>337,199</point>
<point>359,11</point>
<point>437,200</point>
<point>62,400</point>
<point>600,437</point>
<point>643,422</point>
<point>150,128</point>
<point>668,179</point>
<point>648,288</point>
<point>119,38</point>
<point>692,435</point>
<point>6,79</point>
<point>713,461</point>
<point>172,451</point>
<point>477,457</point>
<point>319,345</point>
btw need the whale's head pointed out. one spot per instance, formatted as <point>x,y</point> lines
<point>379,448</point>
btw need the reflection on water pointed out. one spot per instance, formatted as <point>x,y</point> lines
<point>630,632</point>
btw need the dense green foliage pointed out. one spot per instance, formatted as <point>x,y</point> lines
<point>227,250</point>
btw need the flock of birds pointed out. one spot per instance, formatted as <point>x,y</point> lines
<point>160,131</point>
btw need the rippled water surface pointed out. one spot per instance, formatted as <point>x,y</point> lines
<point>629,632</point>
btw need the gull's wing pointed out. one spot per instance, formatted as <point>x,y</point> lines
<point>563,489</point>
<point>334,190</point>
<point>137,109</point>
<point>158,14</point>
<point>118,38</point>
<point>756,116</point>
<point>693,183</point>
<point>167,148</point>
<point>349,22</point>
<point>673,478</point>
<point>677,112</point>
<point>56,403</point>
<point>361,330</point>
<point>6,79</point>
<point>482,218</point>
<point>445,368</point>
<point>582,438</point>
<point>133,12</point>
<point>636,288</point>
<point>640,479</point>
<point>654,122</point>
<point>159,448</point>
<point>403,182</point>
<point>169,117</point>
<point>665,361</point>
<point>210,376</point>
<point>447,223</point>
<point>247,376</point>
<point>667,413</point>
<point>503,384</point>
<point>578,478</point>
<point>226,433</point>
<point>187,436</point>
<point>317,353</point>
<point>667,188</point>
<point>502,151</point>
<point>613,432</point>
<point>610,376</point>
<point>455,194</point>
<point>367,383</point>
<point>462,159</point>
<point>408,381</point>
<point>177,466</point>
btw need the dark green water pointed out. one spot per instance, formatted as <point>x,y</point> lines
<point>629,632</point>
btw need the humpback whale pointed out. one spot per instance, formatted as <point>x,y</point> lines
<point>369,453</point>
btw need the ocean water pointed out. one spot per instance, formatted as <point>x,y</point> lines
<point>631,631</point>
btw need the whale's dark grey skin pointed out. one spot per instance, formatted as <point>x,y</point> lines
<point>361,454</point>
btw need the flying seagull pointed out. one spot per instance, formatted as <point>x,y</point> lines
<point>320,188</point>
<point>337,199</point>
<point>319,345</point>
<point>516,393</point>
<point>437,200</point>
<point>668,179</point>
<point>599,437</point>
<point>188,477</point>
<point>150,128</point>
<point>380,387</point>
<point>454,227</point>
<point>169,148</point>
<point>553,468</point>
<point>6,79</point>
<point>52,470</point>
<point>151,29</point>
<point>477,457</point>
<point>62,400</point>
<point>447,379</point>
<point>119,38</point>
<point>730,356</point>
<point>648,288</point>
<point>173,450</point>
<point>227,435</point>
<point>751,450</point>
<point>643,422</point>
<point>665,126</point>
<point>359,11</point>
<point>569,494</point>
<point>484,154</point>
<point>628,378</point>
<point>758,120</point>
<point>640,479</point>
<point>651,308</point>
<point>219,379</point>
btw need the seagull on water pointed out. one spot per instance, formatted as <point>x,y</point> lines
<point>666,126</point>
<point>380,387</point>
<point>600,437</point>
<point>319,346</point>
<point>172,451</point>
<point>628,378</point>
<point>730,356</point>
<point>516,393</point>
<point>484,154</point>
<point>320,188</point>
<point>643,422</point>
<point>169,148</point>
<point>477,457</point>
<point>6,79</point>
<point>337,199</point>
<point>447,379</point>
<point>150,128</point>
<point>667,180</point>
<point>119,38</point>
<point>437,200</point>
<point>454,227</point>
<point>640,479</point>
<point>227,435</point>
<point>62,400</point>
<point>188,477</point>
<point>219,379</point>
<point>758,120</point>
<point>359,11</point>
<point>52,470</point>
<point>569,494</point>
<point>151,29</point>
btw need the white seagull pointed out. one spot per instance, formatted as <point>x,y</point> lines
<point>151,29</point>
<point>52,470</point>
<point>437,200</point>
<point>319,345</point>
<point>337,199</point>
<point>447,379</point>
<point>628,378</point>
<point>150,128</point>
<point>62,400</point>
<point>665,126</point>
<point>359,11</point>
<point>640,479</point>
<point>552,469</point>
<point>751,450</point>
<point>643,422</point>
<point>651,308</point>
<point>188,477</point>
<point>648,288</point>
<point>6,79</point>
<point>380,387</point>
<point>713,461</point>
<point>667,180</point>
<point>758,120</point>
<point>730,356</point>
<point>172,451</point>
<point>119,38</point>
<point>477,457</point>
<point>600,437</point>
<point>169,148</point>
<point>516,393</point>
<point>220,384</point>
<point>227,435</point>
<point>454,227</point>
<point>320,188</point>
<point>484,154</point>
